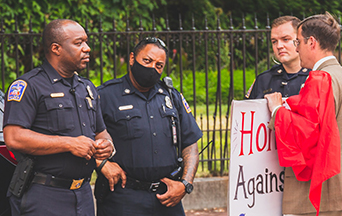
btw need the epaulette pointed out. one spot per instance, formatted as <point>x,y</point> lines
<point>32,73</point>
<point>110,82</point>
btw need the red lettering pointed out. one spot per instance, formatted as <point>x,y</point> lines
<point>246,132</point>
<point>261,126</point>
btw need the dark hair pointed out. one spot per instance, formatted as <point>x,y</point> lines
<point>324,28</point>
<point>53,33</point>
<point>150,40</point>
<point>285,19</point>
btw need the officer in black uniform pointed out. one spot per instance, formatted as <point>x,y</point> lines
<point>140,115</point>
<point>54,116</point>
<point>288,76</point>
<point>277,80</point>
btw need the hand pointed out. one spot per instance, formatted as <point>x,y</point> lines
<point>83,146</point>
<point>113,172</point>
<point>174,194</point>
<point>274,100</point>
<point>104,149</point>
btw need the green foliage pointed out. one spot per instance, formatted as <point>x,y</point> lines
<point>212,85</point>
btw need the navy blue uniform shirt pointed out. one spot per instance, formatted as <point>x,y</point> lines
<point>141,127</point>
<point>277,80</point>
<point>41,100</point>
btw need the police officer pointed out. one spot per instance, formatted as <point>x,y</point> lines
<point>53,115</point>
<point>287,77</point>
<point>139,113</point>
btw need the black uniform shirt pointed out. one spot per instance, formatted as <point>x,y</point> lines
<point>141,128</point>
<point>277,80</point>
<point>41,100</point>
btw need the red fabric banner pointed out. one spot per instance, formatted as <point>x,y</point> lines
<point>307,136</point>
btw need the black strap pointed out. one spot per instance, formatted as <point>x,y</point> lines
<point>99,168</point>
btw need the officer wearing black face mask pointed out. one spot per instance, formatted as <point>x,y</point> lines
<point>138,111</point>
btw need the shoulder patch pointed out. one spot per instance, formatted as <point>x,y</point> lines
<point>16,90</point>
<point>185,104</point>
<point>249,90</point>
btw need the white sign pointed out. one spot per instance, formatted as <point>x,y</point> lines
<point>255,178</point>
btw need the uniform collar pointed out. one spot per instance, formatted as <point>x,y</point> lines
<point>128,89</point>
<point>55,77</point>
<point>280,70</point>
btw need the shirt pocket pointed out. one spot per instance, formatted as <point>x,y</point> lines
<point>59,114</point>
<point>91,109</point>
<point>129,123</point>
<point>166,115</point>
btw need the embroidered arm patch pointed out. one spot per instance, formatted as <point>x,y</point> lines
<point>185,104</point>
<point>16,90</point>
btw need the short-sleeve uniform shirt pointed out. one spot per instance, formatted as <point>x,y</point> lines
<point>43,101</point>
<point>277,80</point>
<point>141,127</point>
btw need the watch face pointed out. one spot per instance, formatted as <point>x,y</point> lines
<point>189,188</point>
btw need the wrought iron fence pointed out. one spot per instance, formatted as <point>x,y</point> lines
<point>195,57</point>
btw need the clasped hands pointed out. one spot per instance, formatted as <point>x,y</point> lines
<point>87,148</point>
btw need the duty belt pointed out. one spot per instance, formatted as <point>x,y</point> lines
<point>142,185</point>
<point>50,180</point>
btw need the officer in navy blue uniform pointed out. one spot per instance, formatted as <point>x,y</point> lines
<point>139,113</point>
<point>278,80</point>
<point>287,77</point>
<point>54,115</point>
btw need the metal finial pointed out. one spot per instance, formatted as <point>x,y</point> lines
<point>218,22</point>
<point>268,22</point>
<point>127,23</point>
<point>154,23</point>
<point>206,22</point>
<point>231,22</point>
<point>193,22</point>
<point>167,23</point>
<point>255,22</point>
<point>140,24</point>
<point>114,25</point>
<point>180,22</point>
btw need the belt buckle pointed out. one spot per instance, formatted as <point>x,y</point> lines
<point>76,184</point>
<point>154,186</point>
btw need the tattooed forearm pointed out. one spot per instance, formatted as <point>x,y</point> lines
<point>190,158</point>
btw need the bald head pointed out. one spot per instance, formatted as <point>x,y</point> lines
<point>54,33</point>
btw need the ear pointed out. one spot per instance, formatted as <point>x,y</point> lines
<point>313,43</point>
<point>131,58</point>
<point>55,48</point>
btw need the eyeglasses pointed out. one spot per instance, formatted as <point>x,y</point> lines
<point>148,40</point>
<point>297,41</point>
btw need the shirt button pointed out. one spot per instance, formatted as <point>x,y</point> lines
<point>87,163</point>
<point>151,117</point>
<point>60,105</point>
<point>80,105</point>
<point>156,152</point>
<point>154,134</point>
<point>128,116</point>
<point>83,124</point>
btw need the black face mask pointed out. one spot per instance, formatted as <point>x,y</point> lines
<point>145,76</point>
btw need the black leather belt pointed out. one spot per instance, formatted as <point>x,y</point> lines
<point>142,185</point>
<point>50,180</point>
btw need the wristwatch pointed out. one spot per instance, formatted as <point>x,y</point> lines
<point>188,186</point>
